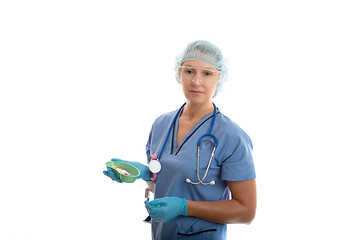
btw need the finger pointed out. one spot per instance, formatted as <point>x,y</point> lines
<point>157,219</point>
<point>106,173</point>
<point>147,205</point>
<point>158,203</point>
<point>157,211</point>
<point>117,160</point>
<point>113,176</point>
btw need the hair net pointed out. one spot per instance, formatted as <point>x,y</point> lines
<point>207,52</point>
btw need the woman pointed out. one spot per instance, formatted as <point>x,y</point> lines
<point>198,189</point>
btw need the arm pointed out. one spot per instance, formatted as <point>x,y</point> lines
<point>240,209</point>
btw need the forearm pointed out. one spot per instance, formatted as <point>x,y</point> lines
<point>225,212</point>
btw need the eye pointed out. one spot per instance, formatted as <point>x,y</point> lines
<point>188,71</point>
<point>208,73</point>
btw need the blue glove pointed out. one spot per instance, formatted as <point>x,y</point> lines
<point>144,171</point>
<point>167,208</point>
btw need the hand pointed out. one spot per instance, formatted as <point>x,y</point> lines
<point>112,175</point>
<point>144,171</point>
<point>167,208</point>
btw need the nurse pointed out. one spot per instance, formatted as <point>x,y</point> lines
<point>198,191</point>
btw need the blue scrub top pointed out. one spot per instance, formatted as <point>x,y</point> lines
<point>232,162</point>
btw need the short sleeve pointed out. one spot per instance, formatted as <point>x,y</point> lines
<point>239,166</point>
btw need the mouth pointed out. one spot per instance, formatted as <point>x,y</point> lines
<point>195,91</point>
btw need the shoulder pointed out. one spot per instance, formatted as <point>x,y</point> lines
<point>227,125</point>
<point>164,119</point>
<point>230,130</point>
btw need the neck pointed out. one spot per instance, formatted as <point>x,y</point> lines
<point>197,111</point>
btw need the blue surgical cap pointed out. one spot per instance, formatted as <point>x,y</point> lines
<point>206,52</point>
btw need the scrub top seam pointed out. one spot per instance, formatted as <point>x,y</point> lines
<point>189,135</point>
<point>174,124</point>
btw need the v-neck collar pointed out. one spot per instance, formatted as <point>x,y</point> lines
<point>190,133</point>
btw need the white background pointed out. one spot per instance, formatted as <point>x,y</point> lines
<point>82,82</point>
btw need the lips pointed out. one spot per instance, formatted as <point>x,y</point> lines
<point>195,91</point>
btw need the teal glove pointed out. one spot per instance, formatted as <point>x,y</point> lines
<point>112,175</point>
<point>167,208</point>
<point>145,173</point>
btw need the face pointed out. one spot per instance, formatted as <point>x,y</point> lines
<point>199,80</point>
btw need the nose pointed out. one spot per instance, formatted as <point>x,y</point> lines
<point>200,81</point>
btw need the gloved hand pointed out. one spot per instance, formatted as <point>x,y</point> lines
<point>144,171</point>
<point>167,208</point>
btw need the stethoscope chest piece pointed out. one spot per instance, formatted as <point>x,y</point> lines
<point>154,166</point>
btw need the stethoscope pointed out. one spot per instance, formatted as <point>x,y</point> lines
<point>155,166</point>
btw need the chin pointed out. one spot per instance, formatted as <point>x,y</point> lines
<point>197,100</point>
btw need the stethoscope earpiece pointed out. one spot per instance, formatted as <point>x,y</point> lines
<point>210,183</point>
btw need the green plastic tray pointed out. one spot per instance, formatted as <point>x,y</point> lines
<point>128,167</point>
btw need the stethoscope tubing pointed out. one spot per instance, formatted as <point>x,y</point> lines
<point>169,130</point>
<point>207,135</point>
<point>198,149</point>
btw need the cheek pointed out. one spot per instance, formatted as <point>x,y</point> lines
<point>184,87</point>
<point>212,90</point>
